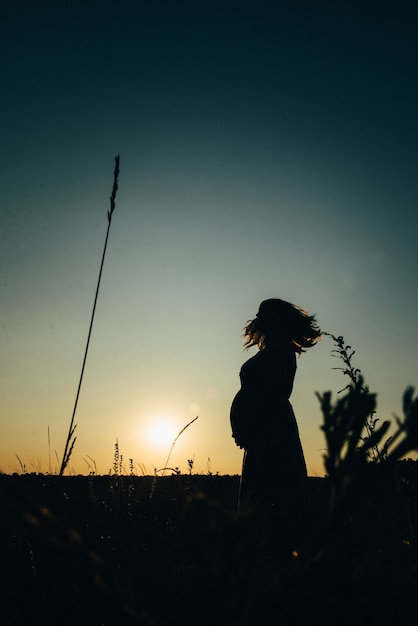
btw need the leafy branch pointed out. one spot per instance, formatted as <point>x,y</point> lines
<point>348,451</point>
<point>345,353</point>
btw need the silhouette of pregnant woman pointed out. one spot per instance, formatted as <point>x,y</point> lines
<point>274,478</point>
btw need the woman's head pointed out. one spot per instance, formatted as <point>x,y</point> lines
<point>278,320</point>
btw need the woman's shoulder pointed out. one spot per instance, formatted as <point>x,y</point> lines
<point>280,349</point>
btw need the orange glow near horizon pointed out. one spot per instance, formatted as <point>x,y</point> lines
<point>161,431</point>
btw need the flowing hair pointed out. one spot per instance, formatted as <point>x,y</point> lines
<point>280,320</point>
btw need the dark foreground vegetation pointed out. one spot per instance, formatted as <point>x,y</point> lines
<point>155,551</point>
<point>173,550</point>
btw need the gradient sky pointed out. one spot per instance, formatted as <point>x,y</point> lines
<point>268,149</point>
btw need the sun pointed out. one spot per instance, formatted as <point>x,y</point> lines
<point>161,432</point>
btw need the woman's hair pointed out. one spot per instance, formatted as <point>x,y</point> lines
<point>280,320</point>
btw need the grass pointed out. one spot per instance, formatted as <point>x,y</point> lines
<point>176,438</point>
<point>71,438</point>
<point>100,550</point>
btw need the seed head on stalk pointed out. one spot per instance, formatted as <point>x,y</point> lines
<point>69,444</point>
<point>175,441</point>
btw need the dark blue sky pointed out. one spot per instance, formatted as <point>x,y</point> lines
<point>267,149</point>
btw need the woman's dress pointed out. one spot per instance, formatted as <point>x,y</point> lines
<point>274,477</point>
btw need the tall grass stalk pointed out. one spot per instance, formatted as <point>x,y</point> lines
<point>174,443</point>
<point>22,465</point>
<point>71,439</point>
<point>49,452</point>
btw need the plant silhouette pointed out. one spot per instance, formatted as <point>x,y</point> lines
<point>71,439</point>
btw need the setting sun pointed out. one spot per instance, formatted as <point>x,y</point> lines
<point>161,432</point>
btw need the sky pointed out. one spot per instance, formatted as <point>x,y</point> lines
<point>267,149</point>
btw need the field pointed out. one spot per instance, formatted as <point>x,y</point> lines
<point>173,550</point>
